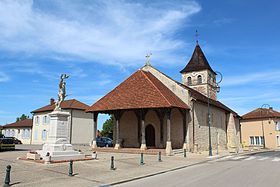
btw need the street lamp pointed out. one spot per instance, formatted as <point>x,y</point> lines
<point>262,107</point>
<point>216,87</point>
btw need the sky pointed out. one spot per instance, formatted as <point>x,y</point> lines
<point>101,43</point>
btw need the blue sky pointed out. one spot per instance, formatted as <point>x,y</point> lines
<point>100,43</point>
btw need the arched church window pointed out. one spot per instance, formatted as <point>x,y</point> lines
<point>199,79</point>
<point>189,81</point>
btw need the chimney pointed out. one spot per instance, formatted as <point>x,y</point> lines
<point>51,101</point>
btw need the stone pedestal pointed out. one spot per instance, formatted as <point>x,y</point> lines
<point>117,146</point>
<point>143,147</point>
<point>168,149</point>
<point>58,146</point>
<point>186,146</point>
<point>93,145</point>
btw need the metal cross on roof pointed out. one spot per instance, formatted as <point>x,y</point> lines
<point>196,36</point>
<point>148,59</point>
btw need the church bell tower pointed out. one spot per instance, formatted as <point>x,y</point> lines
<point>199,75</point>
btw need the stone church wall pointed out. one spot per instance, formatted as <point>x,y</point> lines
<point>218,128</point>
<point>233,132</point>
<point>177,130</point>
<point>129,129</point>
<point>206,76</point>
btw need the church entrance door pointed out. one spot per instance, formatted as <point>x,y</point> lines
<point>150,136</point>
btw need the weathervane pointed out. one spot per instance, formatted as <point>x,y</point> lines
<point>196,36</point>
<point>148,59</point>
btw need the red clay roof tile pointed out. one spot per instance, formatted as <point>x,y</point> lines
<point>261,113</point>
<point>67,104</point>
<point>22,123</point>
<point>140,90</point>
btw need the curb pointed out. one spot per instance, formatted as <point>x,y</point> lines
<point>178,168</point>
<point>154,174</point>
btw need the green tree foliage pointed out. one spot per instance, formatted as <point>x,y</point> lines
<point>22,117</point>
<point>107,129</point>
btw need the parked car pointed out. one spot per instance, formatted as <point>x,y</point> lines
<point>104,142</point>
<point>6,144</point>
<point>15,140</point>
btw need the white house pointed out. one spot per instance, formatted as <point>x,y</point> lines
<point>80,122</point>
<point>20,130</point>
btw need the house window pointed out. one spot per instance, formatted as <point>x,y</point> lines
<point>199,79</point>
<point>257,138</point>
<point>26,133</point>
<point>37,120</point>
<point>12,133</point>
<point>36,135</point>
<point>278,125</point>
<point>23,134</point>
<point>252,142</point>
<point>45,119</point>
<point>189,81</point>
<point>29,133</point>
<point>262,140</point>
<point>44,135</point>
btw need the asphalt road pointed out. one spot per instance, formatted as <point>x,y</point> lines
<point>259,170</point>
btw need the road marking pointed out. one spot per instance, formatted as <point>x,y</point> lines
<point>238,157</point>
<point>250,158</point>
<point>276,159</point>
<point>263,158</point>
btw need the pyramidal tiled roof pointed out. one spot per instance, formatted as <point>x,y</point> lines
<point>141,90</point>
<point>67,104</point>
<point>260,113</point>
<point>197,62</point>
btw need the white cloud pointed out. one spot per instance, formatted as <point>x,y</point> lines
<point>242,99</point>
<point>110,32</point>
<point>269,77</point>
<point>4,77</point>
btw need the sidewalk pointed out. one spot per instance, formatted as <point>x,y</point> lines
<point>93,172</point>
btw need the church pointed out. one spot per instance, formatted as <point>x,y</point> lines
<point>151,110</point>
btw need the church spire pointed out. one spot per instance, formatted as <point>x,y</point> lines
<point>197,62</point>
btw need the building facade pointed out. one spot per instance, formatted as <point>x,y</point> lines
<point>153,110</point>
<point>20,130</point>
<point>260,128</point>
<point>80,122</point>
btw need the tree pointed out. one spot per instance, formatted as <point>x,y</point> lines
<point>22,117</point>
<point>107,128</point>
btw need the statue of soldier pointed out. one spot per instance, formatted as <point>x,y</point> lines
<point>61,92</point>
